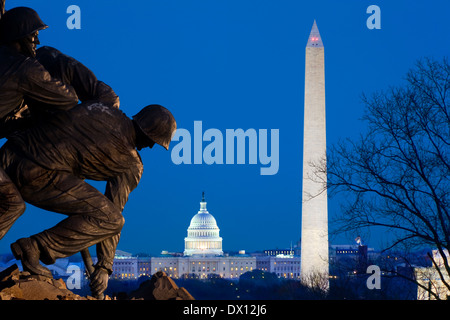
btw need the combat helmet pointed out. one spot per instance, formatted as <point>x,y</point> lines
<point>19,22</point>
<point>157,123</point>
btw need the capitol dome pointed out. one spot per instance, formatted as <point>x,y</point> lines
<point>203,234</point>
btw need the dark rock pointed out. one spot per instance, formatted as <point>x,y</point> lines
<point>9,272</point>
<point>160,287</point>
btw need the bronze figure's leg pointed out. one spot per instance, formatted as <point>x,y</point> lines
<point>92,217</point>
<point>12,205</point>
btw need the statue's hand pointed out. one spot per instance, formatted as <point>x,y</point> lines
<point>99,282</point>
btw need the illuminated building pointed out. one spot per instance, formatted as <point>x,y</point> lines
<point>203,267</point>
<point>284,266</point>
<point>430,279</point>
<point>125,266</point>
<point>203,256</point>
<point>203,234</point>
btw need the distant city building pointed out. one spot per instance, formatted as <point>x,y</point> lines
<point>125,266</point>
<point>275,252</point>
<point>284,266</point>
<point>429,279</point>
<point>203,267</point>
<point>351,258</point>
<point>145,266</point>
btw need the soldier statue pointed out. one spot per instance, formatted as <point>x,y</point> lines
<point>54,144</point>
<point>33,84</point>
<point>49,162</point>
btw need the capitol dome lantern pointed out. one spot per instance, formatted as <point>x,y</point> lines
<point>203,234</point>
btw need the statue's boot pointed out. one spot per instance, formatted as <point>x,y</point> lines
<point>26,250</point>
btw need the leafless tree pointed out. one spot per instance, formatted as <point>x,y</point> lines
<point>317,284</point>
<point>396,176</point>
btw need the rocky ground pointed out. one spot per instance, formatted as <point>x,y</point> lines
<point>17,285</point>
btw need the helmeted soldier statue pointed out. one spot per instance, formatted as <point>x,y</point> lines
<point>23,80</point>
<point>33,84</point>
<point>36,88</point>
<point>49,162</point>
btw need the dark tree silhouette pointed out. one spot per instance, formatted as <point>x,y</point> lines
<point>396,176</point>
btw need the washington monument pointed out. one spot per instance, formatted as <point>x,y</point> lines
<point>314,239</point>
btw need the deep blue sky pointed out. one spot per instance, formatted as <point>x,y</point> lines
<point>234,64</point>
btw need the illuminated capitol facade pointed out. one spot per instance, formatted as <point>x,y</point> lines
<point>203,234</point>
<point>203,255</point>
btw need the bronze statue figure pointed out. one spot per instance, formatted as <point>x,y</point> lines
<point>49,162</point>
<point>54,144</point>
<point>23,81</point>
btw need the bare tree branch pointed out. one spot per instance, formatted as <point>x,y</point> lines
<point>397,176</point>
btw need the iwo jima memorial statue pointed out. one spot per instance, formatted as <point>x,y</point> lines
<point>63,126</point>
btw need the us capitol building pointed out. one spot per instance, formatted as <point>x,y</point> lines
<point>203,234</point>
<point>203,255</point>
